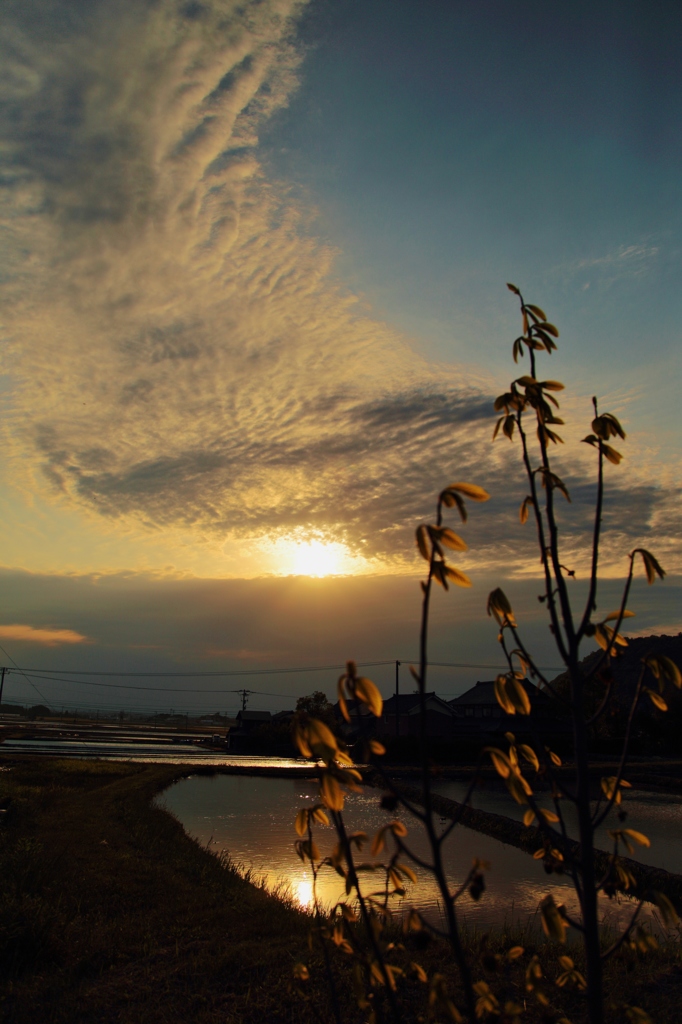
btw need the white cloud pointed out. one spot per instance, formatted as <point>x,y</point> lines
<point>180,357</point>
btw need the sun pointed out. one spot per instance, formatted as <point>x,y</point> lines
<point>314,557</point>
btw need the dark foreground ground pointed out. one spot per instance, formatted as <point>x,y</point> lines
<point>110,913</point>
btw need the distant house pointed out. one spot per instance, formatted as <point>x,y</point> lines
<point>438,717</point>
<point>400,716</point>
<point>477,712</point>
<point>247,721</point>
<point>283,717</point>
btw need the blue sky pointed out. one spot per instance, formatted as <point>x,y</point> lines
<point>254,306</point>
<point>453,146</point>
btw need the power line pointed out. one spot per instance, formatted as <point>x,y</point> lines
<point>23,674</point>
<point>149,689</point>
<point>196,675</point>
<point>42,673</point>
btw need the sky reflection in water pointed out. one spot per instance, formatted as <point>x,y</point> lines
<point>252,819</point>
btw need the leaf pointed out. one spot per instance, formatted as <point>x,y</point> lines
<point>422,542</point>
<point>451,540</point>
<point>440,575</point>
<point>377,748</point>
<point>611,454</point>
<point>651,566</point>
<point>471,491</point>
<point>379,842</point>
<point>450,499</point>
<point>408,872</point>
<point>529,754</point>
<point>368,693</point>
<point>637,837</point>
<point>656,699</point>
<point>301,823</point>
<point>419,971</point>
<point>517,694</point>
<point>331,792</point>
<point>500,762</point>
<point>612,616</point>
<point>518,787</point>
<point>637,1016</point>
<point>499,606</point>
<point>458,577</point>
<point>529,817</point>
<point>301,972</point>
<point>607,638</point>
<point>606,426</point>
<point>501,696</point>
<point>515,952</point>
<point>508,427</point>
<point>536,310</point>
<point>664,668</point>
<point>513,288</point>
<point>523,511</point>
<point>551,385</point>
<point>549,816</point>
<point>320,815</point>
<point>553,924</point>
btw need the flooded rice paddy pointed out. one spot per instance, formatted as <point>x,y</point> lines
<point>252,821</point>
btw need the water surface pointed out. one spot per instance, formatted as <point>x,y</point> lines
<point>252,820</point>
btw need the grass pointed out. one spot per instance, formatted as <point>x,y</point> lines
<point>110,913</point>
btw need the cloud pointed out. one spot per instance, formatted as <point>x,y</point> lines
<point>48,637</point>
<point>625,262</point>
<point>180,355</point>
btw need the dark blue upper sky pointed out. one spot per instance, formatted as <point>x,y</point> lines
<point>451,146</point>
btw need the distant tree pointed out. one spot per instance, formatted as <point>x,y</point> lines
<point>317,705</point>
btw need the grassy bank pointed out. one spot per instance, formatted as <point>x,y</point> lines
<point>110,913</point>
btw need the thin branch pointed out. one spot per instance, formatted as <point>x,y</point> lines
<point>590,604</point>
<point>599,818</point>
<point>541,539</point>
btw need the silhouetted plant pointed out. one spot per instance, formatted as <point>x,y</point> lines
<point>359,925</point>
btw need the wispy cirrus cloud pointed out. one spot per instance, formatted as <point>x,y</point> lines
<point>180,354</point>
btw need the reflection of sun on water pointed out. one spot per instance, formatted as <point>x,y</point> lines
<point>304,892</point>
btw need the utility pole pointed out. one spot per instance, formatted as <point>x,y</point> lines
<point>245,696</point>
<point>397,697</point>
<point>2,681</point>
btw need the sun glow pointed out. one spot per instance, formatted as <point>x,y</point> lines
<point>315,558</point>
<point>295,556</point>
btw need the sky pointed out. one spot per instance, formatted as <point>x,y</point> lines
<point>254,317</point>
